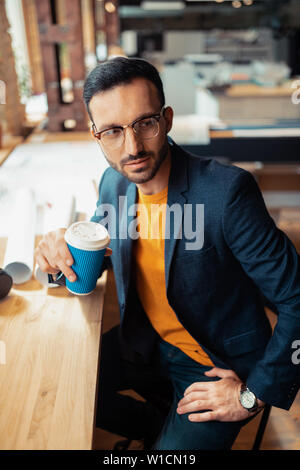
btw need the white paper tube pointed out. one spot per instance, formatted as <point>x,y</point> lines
<point>18,261</point>
<point>56,215</point>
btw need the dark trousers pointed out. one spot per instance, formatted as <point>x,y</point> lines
<point>162,384</point>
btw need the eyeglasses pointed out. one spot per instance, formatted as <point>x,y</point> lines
<point>145,128</point>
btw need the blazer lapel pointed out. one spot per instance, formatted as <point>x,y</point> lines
<point>125,238</point>
<point>178,184</point>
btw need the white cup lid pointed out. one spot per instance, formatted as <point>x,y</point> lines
<point>87,236</point>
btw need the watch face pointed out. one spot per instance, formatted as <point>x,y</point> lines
<point>247,399</point>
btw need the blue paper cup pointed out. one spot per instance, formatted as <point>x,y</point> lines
<point>87,242</point>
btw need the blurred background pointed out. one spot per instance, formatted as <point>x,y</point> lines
<point>231,71</point>
<point>226,65</point>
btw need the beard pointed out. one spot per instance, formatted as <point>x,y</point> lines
<point>141,175</point>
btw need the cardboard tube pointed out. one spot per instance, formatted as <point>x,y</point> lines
<point>18,261</point>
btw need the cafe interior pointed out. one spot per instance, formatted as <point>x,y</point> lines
<point>231,72</point>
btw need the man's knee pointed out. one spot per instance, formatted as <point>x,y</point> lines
<point>181,434</point>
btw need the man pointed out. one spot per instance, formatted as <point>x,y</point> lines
<point>193,328</point>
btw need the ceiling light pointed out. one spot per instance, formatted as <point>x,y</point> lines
<point>70,124</point>
<point>248,2</point>
<point>110,7</point>
<point>162,5</point>
<point>236,4</point>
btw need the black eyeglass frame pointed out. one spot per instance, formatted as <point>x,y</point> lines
<point>156,116</point>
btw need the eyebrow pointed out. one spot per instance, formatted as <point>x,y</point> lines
<point>110,126</point>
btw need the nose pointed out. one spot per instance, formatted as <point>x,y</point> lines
<point>133,145</point>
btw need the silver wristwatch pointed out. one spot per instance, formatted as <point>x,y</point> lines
<point>248,400</point>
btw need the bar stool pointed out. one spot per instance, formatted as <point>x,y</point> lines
<point>262,427</point>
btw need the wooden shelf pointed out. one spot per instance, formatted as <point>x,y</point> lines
<point>8,145</point>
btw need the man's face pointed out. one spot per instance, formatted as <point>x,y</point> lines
<point>136,159</point>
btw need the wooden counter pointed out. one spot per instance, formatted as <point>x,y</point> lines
<point>253,90</point>
<point>48,381</point>
<point>270,177</point>
<point>253,102</point>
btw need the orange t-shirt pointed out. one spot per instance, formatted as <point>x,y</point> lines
<point>149,264</point>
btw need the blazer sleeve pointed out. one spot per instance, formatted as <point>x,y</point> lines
<point>96,218</point>
<point>270,259</point>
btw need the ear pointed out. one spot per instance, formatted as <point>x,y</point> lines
<point>92,130</point>
<point>168,115</point>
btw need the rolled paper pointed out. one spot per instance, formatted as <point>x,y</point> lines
<point>42,277</point>
<point>18,261</point>
<point>57,214</point>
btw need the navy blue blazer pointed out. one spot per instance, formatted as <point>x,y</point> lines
<point>216,291</point>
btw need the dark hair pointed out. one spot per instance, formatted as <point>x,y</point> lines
<point>117,71</point>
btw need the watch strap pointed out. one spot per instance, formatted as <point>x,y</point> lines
<point>60,279</point>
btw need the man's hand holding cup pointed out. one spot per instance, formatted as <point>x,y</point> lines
<point>81,247</point>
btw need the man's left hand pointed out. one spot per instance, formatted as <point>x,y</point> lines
<point>219,398</point>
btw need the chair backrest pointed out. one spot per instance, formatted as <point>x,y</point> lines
<point>262,427</point>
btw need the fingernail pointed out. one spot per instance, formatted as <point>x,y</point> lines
<point>72,278</point>
<point>69,262</point>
